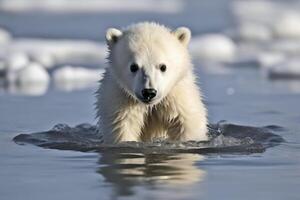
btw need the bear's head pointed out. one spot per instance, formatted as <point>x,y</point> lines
<point>148,59</point>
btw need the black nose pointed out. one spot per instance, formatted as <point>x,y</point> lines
<point>149,94</point>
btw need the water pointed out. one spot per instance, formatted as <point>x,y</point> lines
<point>242,96</point>
<point>34,173</point>
<point>223,138</point>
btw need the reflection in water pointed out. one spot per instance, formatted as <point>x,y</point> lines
<point>126,170</point>
<point>34,89</point>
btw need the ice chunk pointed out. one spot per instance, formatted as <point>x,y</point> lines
<point>70,78</point>
<point>268,59</point>
<point>5,36</point>
<point>287,46</point>
<point>45,59</point>
<point>13,64</point>
<point>254,32</point>
<point>256,11</point>
<point>50,52</point>
<point>74,74</point>
<point>289,69</point>
<point>32,74</point>
<point>16,61</point>
<point>213,47</point>
<point>288,25</point>
<point>31,89</point>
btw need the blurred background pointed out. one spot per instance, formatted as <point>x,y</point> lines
<point>52,53</point>
<point>61,42</point>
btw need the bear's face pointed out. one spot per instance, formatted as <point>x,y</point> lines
<point>148,60</point>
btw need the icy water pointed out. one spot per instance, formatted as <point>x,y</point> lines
<point>242,96</point>
<point>29,172</point>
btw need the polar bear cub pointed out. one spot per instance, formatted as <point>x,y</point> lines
<point>149,89</point>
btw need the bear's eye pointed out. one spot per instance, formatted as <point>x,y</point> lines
<point>163,67</point>
<point>134,67</point>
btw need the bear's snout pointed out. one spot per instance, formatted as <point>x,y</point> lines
<point>149,94</point>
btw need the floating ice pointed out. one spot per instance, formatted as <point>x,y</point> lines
<point>31,89</point>
<point>51,52</point>
<point>253,32</point>
<point>45,59</point>
<point>70,78</point>
<point>288,25</point>
<point>213,47</point>
<point>33,73</point>
<point>269,59</point>
<point>256,11</point>
<point>225,138</point>
<point>5,37</point>
<point>288,46</point>
<point>288,69</point>
<point>16,61</point>
<point>75,74</point>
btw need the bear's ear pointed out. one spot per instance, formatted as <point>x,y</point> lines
<point>112,35</point>
<point>183,34</point>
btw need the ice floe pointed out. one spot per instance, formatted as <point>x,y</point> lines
<point>70,78</point>
<point>33,73</point>
<point>32,89</point>
<point>16,61</point>
<point>213,47</point>
<point>268,59</point>
<point>26,65</point>
<point>288,25</point>
<point>288,69</point>
<point>253,32</point>
<point>256,11</point>
<point>55,52</point>
<point>5,36</point>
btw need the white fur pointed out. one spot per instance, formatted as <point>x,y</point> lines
<point>176,113</point>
